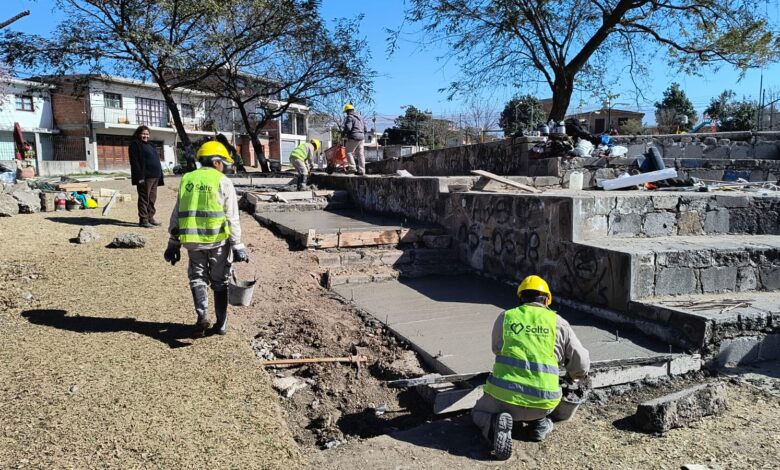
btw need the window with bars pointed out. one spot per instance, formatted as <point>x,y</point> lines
<point>24,103</point>
<point>151,112</point>
<point>112,100</point>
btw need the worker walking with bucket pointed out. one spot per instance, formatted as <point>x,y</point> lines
<point>530,342</point>
<point>205,220</point>
<point>302,158</point>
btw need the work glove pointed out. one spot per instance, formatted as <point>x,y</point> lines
<point>239,255</point>
<point>172,253</point>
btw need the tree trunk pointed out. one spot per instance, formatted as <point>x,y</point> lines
<point>253,131</point>
<point>189,152</point>
<point>563,88</point>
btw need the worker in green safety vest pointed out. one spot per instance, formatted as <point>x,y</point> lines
<point>205,220</point>
<point>302,159</point>
<point>531,342</point>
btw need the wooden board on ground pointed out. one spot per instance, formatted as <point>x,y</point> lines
<point>506,181</point>
<point>105,192</point>
<point>110,204</point>
<point>294,195</point>
<point>74,187</point>
<point>352,239</point>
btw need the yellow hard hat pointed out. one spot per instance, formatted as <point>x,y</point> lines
<point>536,283</point>
<point>348,107</point>
<point>316,143</point>
<point>212,149</point>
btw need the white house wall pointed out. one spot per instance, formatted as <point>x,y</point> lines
<point>39,118</point>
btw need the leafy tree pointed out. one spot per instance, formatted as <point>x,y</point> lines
<point>293,58</point>
<point>566,43</point>
<point>632,127</point>
<point>410,129</point>
<point>732,115</point>
<point>173,42</point>
<point>671,109</point>
<point>521,113</point>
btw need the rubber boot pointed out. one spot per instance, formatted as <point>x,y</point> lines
<point>220,308</point>
<point>200,297</point>
<point>300,182</point>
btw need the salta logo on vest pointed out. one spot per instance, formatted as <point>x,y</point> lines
<point>518,328</point>
<point>202,188</point>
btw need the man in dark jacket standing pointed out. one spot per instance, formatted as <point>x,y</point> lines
<point>145,174</point>
<point>354,130</point>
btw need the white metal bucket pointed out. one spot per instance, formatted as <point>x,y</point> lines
<point>240,292</point>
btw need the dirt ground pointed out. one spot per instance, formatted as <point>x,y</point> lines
<point>115,382</point>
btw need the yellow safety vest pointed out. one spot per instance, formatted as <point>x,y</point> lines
<point>202,218</point>
<point>526,369</point>
<point>300,152</point>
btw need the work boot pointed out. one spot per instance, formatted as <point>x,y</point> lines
<point>502,436</point>
<point>154,222</point>
<point>539,429</point>
<point>200,297</point>
<point>300,183</point>
<point>145,223</point>
<point>220,308</point>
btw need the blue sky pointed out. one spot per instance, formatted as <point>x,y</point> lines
<point>413,75</point>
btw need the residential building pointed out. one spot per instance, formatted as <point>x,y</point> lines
<point>604,119</point>
<point>372,147</point>
<point>27,103</point>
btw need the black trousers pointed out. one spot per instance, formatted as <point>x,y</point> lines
<point>147,196</point>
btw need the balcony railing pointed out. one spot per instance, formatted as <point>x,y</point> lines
<point>131,117</point>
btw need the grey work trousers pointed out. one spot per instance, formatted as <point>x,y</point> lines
<point>488,406</point>
<point>210,267</point>
<point>355,151</point>
<point>300,166</point>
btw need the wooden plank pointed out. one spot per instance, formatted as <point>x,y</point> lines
<point>368,238</point>
<point>78,187</point>
<point>323,192</point>
<point>506,181</point>
<point>294,195</point>
<point>110,204</point>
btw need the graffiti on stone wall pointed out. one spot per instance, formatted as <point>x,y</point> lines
<point>585,275</point>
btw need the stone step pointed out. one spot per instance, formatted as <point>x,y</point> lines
<point>698,264</point>
<point>729,329</point>
<point>379,257</point>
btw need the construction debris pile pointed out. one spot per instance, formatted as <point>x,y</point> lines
<point>39,195</point>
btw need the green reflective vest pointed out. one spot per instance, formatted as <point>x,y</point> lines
<point>201,217</point>
<point>526,370</point>
<point>300,152</point>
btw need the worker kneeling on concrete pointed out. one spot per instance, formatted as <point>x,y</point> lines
<point>302,158</point>
<point>530,342</point>
<point>205,220</point>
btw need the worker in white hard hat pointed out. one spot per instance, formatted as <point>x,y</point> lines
<point>205,220</point>
<point>302,159</point>
<point>354,131</point>
<point>531,342</point>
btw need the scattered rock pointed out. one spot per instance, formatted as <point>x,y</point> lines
<point>405,367</point>
<point>287,386</point>
<point>681,409</point>
<point>87,234</point>
<point>8,205</point>
<point>128,240</point>
<point>29,201</point>
<point>332,444</point>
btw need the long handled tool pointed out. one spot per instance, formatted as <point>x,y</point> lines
<point>311,360</point>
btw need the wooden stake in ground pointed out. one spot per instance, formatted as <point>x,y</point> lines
<point>110,204</point>
<point>506,181</point>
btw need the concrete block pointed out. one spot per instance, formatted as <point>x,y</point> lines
<point>766,151</point>
<point>329,260</point>
<point>675,281</point>
<point>694,151</point>
<point>395,258</point>
<point>8,205</point>
<point>633,205</point>
<point>351,258</point>
<point>710,141</point>
<point>742,151</point>
<point>359,279</point>
<point>543,181</point>
<point>769,277</point>
<point>737,351</point>
<point>713,175</point>
<point>719,279</point>
<point>672,151</point>
<point>665,202</point>
<point>29,201</point>
<point>728,202</point>
<point>682,408</point>
<point>643,277</point>
<point>625,225</point>
<point>717,221</point>
<point>593,227</point>
<point>685,259</point>
<point>634,150</point>
<point>747,279</point>
<point>689,223</point>
<point>659,224</point>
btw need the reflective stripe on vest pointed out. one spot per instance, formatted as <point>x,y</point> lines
<point>299,152</point>
<point>202,218</point>
<point>526,370</point>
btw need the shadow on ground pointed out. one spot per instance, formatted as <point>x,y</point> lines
<point>91,221</point>
<point>168,333</point>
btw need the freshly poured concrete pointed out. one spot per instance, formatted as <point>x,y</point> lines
<point>450,319</point>
<point>334,221</point>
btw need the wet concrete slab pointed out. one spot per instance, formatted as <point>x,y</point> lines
<point>449,321</point>
<point>336,221</point>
